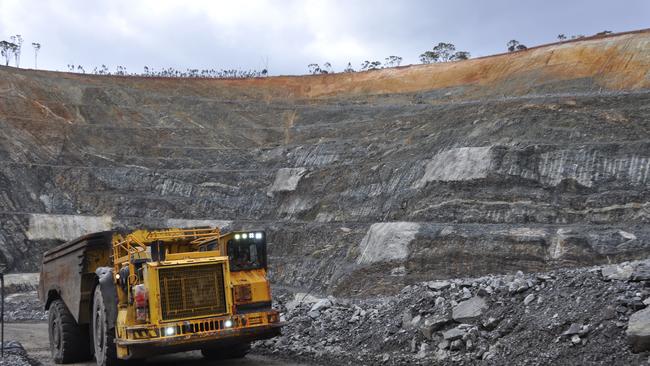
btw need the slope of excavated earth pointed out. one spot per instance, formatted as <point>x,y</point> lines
<point>563,317</point>
<point>365,182</point>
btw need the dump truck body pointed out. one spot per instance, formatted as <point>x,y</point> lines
<point>145,292</point>
<point>68,272</point>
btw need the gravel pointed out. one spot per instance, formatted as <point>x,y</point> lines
<point>569,317</point>
<point>15,355</point>
<point>24,306</point>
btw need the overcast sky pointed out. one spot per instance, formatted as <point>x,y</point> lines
<point>286,35</point>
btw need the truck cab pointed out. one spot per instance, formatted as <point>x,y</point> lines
<point>146,292</point>
<point>248,260</point>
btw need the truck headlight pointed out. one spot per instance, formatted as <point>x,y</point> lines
<point>258,235</point>
<point>170,331</point>
<point>237,236</point>
<point>227,323</point>
<point>244,235</point>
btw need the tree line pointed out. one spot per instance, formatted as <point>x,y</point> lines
<point>171,72</point>
<point>442,52</point>
<point>11,50</point>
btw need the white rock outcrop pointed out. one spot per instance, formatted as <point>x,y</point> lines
<point>65,227</point>
<point>387,241</point>
<point>459,164</point>
<point>286,180</point>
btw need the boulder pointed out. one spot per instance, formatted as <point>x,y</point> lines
<point>433,324</point>
<point>301,298</point>
<point>469,309</point>
<point>529,299</point>
<point>621,272</point>
<point>638,330</point>
<point>490,323</point>
<point>641,273</point>
<point>438,285</point>
<point>415,322</point>
<point>440,301</point>
<point>518,286</point>
<point>444,344</point>
<point>441,355</point>
<point>407,318</point>
<point>456,345</point>
<point>321,305</point>
<point>574,328</point>
<point>453,334</point>
<point>423,351</point>
<point>485,291</point>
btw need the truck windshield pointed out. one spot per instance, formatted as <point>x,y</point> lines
<point>246,255</point>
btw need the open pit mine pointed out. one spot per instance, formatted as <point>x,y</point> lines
<point>489,211</point>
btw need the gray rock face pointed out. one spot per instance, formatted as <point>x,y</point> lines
<point>469,310</point>
<point>638,330</point>
<point>553,175</point>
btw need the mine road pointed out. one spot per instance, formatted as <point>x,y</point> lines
<point>33,336</point>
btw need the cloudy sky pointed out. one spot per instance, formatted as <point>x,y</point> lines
<point>286,35</point>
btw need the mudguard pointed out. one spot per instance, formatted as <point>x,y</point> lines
<point>109,293</point>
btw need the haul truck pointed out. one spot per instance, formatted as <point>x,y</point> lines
<point>121,296</point>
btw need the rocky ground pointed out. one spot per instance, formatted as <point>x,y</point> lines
<point>569,317</point>
<point>15,355</point>
<point>24,307</point>
<point>20,304</point>
<point>21,298</point>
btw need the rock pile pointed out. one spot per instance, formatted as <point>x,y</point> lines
<point>570,317</point>
<point>24,306</point>
<point>15,355</point>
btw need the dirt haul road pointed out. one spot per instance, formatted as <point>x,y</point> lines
<point>33,336</point>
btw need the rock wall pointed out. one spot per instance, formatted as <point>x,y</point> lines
<point>365,182</point>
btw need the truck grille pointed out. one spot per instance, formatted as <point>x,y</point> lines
<point>191,291</point>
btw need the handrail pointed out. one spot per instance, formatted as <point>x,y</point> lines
<point>138,241</point>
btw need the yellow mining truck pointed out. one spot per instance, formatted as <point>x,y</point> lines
<point>120,296</point>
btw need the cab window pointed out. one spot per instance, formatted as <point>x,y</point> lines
<point>246,254</point>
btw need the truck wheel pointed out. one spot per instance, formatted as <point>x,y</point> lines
<point>68,341</point>
<point>103,336</point>
<point>223,353</point>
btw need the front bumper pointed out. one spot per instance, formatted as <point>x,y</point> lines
<point>151,340</point>
<point>250,333</point>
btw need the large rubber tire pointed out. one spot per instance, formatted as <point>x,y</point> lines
<point>225,353</point>
<point>68,341</point>
<point>103,337</point>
